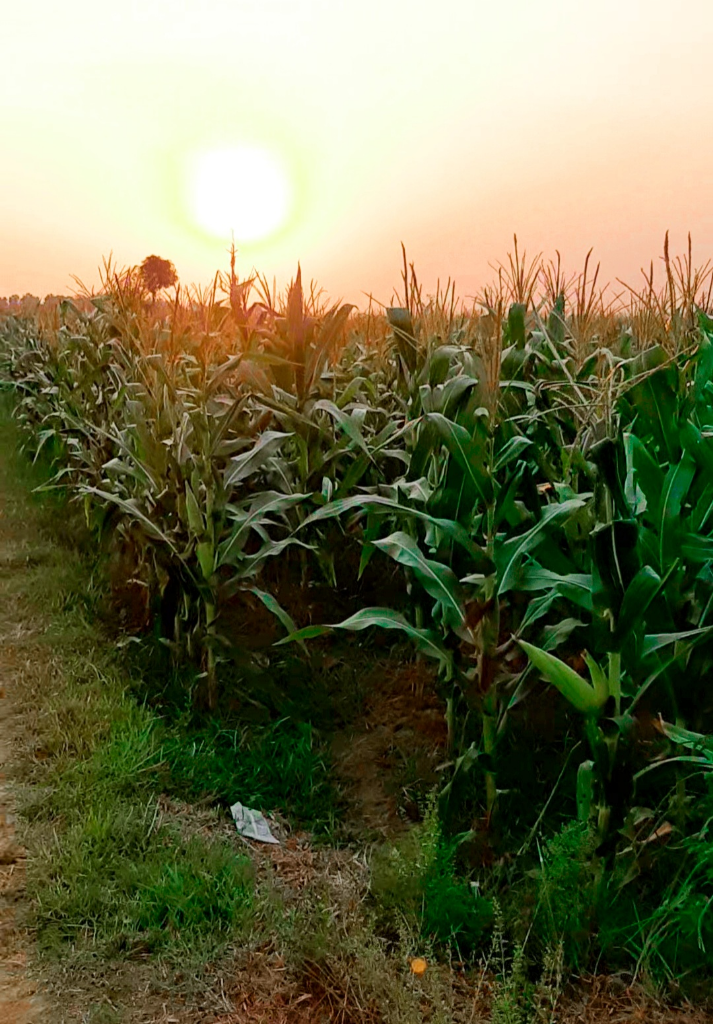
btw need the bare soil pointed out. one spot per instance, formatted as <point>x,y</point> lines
<point>401,734</point>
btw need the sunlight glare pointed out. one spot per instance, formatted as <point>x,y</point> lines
<point>240,189</point>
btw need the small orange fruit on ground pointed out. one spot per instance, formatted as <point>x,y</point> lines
<point>418,965</point>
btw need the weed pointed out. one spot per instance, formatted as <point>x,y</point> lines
<point>511,998</point>
<point>566,891</point>
<point>516,999</point>
<point>415,885</point>
<point>549,986</point>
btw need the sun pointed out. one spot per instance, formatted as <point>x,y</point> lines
<point>243,190</point>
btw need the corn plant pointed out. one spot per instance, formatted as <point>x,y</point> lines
<point>650,556</point>
<point>189,485</point>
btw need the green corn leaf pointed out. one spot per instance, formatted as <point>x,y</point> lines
<point>676,487</point>
<point>599,680</point>
<point>274,606</point>
<point>616,561</point>
<point>559,632</point>
<point>537,608</point>
<point>576,587</point>
<point>649,475</point>
<point>243,466</point>
<point>571,685</point>
<point>704,763</point>
<point>129,469</point>
<point>515,328</point>
<point>206,558</point>
<point>556,321</point>
<point>657,641</point>
<point>702,511</point>
<point>353,389</point>
<point>439,365</point>
<point>328,329</point>
<point>700,447</point>
<point>509,554</point>
<point>654,398</point>
<point>437,580</point>
<point>697,740</point>
<point>469,454</point>
<point>376,502</point>
<point>195,516</point>
<point>607,455</point>
<point>697,549</point>
<point>509,503</point>
<point>663,664</point>
<point>384,618</point>
<point>638,597</point>
<point>586,776</point>
<point>249,517</point>
<point>511,450</point>
<point>218,444</point>
<point>219,375</point>
<point>246,566</point>
<point>131,509</point>
<point>454,391</point>
<point>704,365</point>
<point>404,335</point>
<point>347,423</point>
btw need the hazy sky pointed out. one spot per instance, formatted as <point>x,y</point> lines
<point>448,126</point>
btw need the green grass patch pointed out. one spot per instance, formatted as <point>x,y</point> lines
<point>280,766</point>
<point>114,883</point>
<point>106,872</point>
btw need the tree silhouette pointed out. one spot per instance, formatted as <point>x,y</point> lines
<point>157,273</point>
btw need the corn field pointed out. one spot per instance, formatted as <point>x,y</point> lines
<point>535,472</point>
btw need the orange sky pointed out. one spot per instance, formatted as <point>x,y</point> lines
<point>447,126</point>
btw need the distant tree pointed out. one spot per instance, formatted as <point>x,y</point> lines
<point>157,274</point>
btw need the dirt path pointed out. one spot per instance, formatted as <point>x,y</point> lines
<point>19,1004</point>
